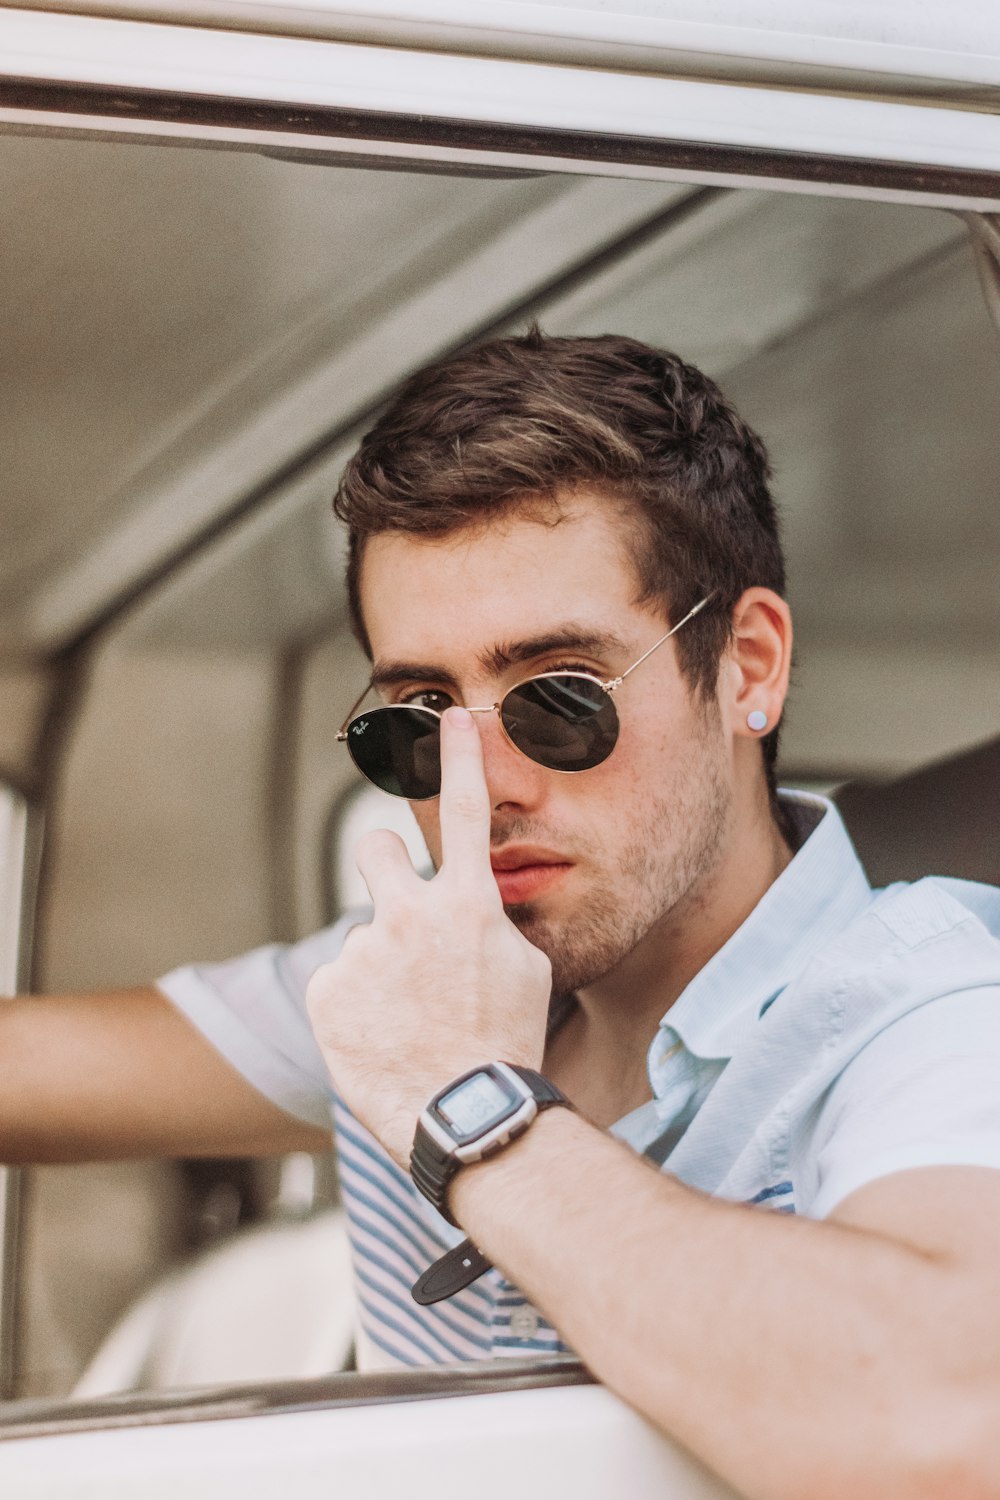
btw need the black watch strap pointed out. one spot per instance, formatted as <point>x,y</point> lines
<point>449,1274</point>
<point>432,1170</point>
<point>542,1088</point>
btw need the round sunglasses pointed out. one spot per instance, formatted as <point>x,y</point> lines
<point>565,721</point>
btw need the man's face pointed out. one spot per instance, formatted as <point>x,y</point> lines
<point>587,863</point>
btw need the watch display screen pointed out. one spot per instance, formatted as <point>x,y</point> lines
<point>475,1103</point>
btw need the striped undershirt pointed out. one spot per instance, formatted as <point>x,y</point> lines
<point>395,1234</point>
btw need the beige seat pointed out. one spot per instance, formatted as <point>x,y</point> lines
<point>272,1303</point>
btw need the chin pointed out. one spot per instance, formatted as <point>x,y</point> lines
<point>525,916</point>
<point>537,928</point>
<point>577,958</point>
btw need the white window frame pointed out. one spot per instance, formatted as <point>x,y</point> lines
<point>352,99</point>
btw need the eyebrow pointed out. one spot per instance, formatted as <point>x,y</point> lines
<point>575,638</point>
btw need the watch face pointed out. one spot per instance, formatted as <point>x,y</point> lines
<point>474,1105</point>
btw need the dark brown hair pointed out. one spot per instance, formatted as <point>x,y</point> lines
<point>470,437</point>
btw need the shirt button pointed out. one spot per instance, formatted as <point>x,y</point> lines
<point>524,1322</point>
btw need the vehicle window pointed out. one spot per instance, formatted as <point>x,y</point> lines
<point>195,338</point>
<point>18,874</point>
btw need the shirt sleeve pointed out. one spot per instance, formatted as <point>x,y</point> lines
<point>252,1010</point>
<point>924,1092</point>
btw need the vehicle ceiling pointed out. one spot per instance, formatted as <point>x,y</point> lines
<point>198,334</point>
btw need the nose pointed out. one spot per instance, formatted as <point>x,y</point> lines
<point>512,778</point>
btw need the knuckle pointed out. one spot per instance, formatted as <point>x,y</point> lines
<point>468,804</point>
<point>375,846</point>
<point>399,921</point>
<point>544,969</point>
<point>329,977</point>
<point>538,959</point>
<point>353,942</point>
<point>316,992</point>
<point>537,965</point>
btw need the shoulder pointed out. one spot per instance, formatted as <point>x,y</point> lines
<point>937,906</point>
<point>912,946</point>
<point>936,935</point>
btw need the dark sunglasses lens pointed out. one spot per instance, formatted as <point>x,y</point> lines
<point>399,749</point>
<point>565,722</point>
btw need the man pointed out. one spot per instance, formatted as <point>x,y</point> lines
<point>575,540</point>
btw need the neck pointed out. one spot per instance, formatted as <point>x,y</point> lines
<point>620,1013</point>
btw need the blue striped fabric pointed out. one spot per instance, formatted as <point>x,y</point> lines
<point>780,1198</point>
<point>394,1238</point>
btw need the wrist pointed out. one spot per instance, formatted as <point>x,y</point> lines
<point>489,1192</point>
<point>499,1180</point>
<point>473,1119</point>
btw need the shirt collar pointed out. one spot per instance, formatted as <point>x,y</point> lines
<point>817,894</point>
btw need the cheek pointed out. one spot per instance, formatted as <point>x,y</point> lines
<point>646,740</point>
<point>604,799</point>
<point>658,745</point>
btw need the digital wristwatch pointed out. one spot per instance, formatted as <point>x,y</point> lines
<point>470,1120</point>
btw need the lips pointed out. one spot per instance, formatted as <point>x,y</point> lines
<point>518,856</point>
<point>524,871</point>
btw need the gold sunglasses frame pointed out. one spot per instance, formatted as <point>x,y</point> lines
<point>609,687</point>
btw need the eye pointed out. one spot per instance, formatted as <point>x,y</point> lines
<point>427,698</point>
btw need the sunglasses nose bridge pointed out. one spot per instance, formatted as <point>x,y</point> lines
<point>495,708</point>
<point>513,775</point>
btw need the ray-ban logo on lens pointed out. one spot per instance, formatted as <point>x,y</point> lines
<point>360,726</point>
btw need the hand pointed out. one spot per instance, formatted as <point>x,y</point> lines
<point>441,980</point>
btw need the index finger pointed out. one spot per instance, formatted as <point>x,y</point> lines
<point>464,808</point>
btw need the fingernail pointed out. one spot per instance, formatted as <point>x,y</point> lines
<point>460,717</point>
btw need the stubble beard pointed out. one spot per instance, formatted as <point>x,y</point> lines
<point>668,859</point>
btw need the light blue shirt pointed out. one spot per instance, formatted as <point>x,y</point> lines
<point>752,1067</point>
<point>839,1035</point>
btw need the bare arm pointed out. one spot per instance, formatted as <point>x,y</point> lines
<point>123,1074</point>
<point>856,1357</point>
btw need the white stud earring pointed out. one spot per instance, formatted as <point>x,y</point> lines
<point>757,720</point>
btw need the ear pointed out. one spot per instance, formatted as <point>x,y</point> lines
<point>756,667</point>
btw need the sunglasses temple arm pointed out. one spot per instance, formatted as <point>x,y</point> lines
<point>342,731</point>
<point>608,686</point>
<point>689,616</point>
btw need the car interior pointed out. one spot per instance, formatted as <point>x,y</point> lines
<point>194,339</point>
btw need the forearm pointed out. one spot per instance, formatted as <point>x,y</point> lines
<point>100,1077</point>
<point>798,1359</point>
